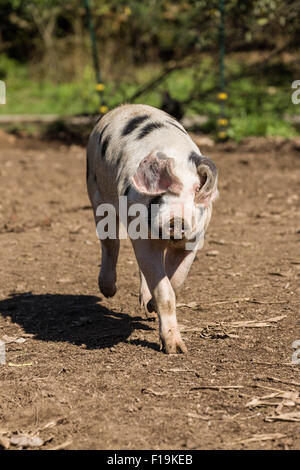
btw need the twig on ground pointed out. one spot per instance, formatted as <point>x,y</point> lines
<point>217,387</point>
<point>62,446</point>
<point>261,437</point>
<point>294,417</point>
<point>275,379</point>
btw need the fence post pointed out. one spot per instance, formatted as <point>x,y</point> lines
<point>99,85</point>
<point>222,96</point>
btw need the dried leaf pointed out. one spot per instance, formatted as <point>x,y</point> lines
<point>189,305</point>
<point>288,399</point>
<point>216,332</point>
<point>153,392</point>
<point>26,441</point>
<point>13,339</point>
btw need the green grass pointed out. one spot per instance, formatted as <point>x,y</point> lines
<point>254,106</point>
<point>260,125</point>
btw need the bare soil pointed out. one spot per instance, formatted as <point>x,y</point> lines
<point>90,374</point>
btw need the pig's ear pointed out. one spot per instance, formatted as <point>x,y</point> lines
<point>155,176</point>
<point>208,176</point>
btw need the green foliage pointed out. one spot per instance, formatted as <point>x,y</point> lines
<point>259,125</point>
<point>253,108</point>
<point>47,65</point>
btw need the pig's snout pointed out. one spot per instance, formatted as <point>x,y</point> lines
<point>178,228</point>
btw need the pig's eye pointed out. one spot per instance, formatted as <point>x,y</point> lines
<point>197,190</point>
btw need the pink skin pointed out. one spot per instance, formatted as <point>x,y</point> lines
<point>177,263</point>
<point>166,273</point>
<point>150,256</point>
<point>154,175</point>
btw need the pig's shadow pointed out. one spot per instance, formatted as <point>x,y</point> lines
<point>78,319</point>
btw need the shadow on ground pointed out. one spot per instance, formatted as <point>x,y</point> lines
<point>77,319</point>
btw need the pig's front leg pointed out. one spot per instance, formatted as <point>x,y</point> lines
<point>150,257</point>
<point>177,265</point>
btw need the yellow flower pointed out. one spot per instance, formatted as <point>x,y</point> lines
<point>222,96</point>
<point>222,135</point>
<point>127,11</point>
<point>103,109</point>
<point>222,122</point>
<point>100,87</point>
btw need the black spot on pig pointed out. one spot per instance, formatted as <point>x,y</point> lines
<point>156,200</point>
<point>201,160</point>
<point>105,145</point>
<point>195,158</point>
<point>146,130</point>
<point>87,169</point>
<point>134,123</point>
<point>101,134</point>
<point>177,126</point>
<point>127,188</point>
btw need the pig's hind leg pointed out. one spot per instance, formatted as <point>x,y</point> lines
<point>110,249</point>
<point>107,276</point>
<point>145,298</point>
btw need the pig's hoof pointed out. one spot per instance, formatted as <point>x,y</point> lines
<point>108,290</point>
<point>173,344</point>
<point>151,316</point>
<point>150,311</point>
<point>151,306</point>
<point>148,308</point>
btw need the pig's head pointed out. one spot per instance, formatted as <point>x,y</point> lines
<point>178,194</point>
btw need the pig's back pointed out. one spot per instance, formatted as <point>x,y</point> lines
<point>125,136</point>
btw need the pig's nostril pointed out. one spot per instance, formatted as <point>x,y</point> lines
<point>177,226</point>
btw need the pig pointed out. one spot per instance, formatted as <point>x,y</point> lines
<point>144,154</point>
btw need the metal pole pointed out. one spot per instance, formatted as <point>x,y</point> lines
<point>222,121</point>
<point>99,85</point>
<point>222,45</point>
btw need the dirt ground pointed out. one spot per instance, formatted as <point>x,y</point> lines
<point>85,372</point>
